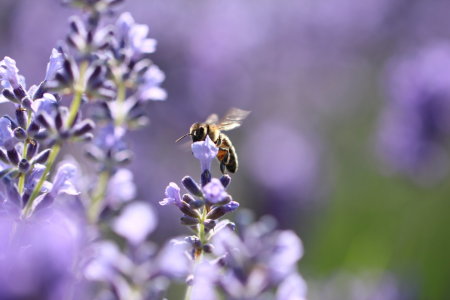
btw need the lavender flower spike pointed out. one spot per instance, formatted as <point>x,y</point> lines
<point>205,151</point>
<point>172,195</point>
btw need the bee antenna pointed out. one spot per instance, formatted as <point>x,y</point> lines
<point>182,137</point>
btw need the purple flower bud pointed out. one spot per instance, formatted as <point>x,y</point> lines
<point>187,209</point>
<point>214,192</point>
<point>21,117</point>
<point>220,211</point>
<point>192,186</point>
<point>210,224</point>
<point>31,149</point>
<point>225,179</point>
<point>24,165</point>
<point>20,133</point>
<point>205,177</point>
<point>193,203</point>
<point>13,156</point>
<point>33,129</point>
<point>189,221</point>
<point>173,195</point>
<point>42,157</point>
<point>205,151</point>
<point>83,127</point>
<point>3,157</point>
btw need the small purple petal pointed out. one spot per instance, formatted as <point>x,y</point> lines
<point>149,88</point>
<point>62,183</point>
<point>9,74</point>
<point>173,195</point>
<point>214,191</point>
<point>55,64</point>
<point>7,138</point>
<point>46,104</point>
<point>205,151</point>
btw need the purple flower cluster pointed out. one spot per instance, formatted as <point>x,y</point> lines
<point>415,127</point>
<point>248,264</point>
<point>68,235</point>
<point>205,203</point>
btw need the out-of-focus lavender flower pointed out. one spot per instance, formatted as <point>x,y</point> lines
<point>121,188</point>
<point>415,126</point>
<point>259,260</point>
<point>205,151</point>
<point>135,35</point>
<point>42,252</point>
<point>149,88</point>
<point>292,288</point>
<point>366,285</point>
<point>135,222</point>
<point>173,260</point>
<point>205,276</point>
<point>295,158</point>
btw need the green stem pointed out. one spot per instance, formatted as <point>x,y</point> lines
<point>79,90</point>
<point>198,255</point>
<point>51,160</point>
<point>97,197</point>
<point>74,108</point>
<point>121,96</point>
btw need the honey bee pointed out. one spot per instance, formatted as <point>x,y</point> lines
<point>213,128</point>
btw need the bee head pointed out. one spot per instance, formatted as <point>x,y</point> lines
<point>198,132</point>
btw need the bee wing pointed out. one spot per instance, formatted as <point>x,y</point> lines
<point>212,119</point>
<point>233,119</point>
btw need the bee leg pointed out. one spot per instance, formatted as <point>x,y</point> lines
<point>224,161</point>
<point>222,167</point>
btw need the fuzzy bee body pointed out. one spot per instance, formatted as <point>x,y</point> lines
<point>227,153</point>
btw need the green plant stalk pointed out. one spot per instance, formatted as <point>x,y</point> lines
<point>102,184</point>
<point>97,197</point>
<point>51,160</point>
<point>198,256</point>
<point>79,90</point>
<point>121,96</point>
<point>74,107</point>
